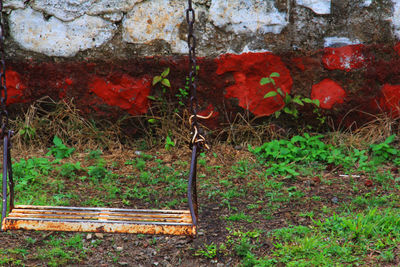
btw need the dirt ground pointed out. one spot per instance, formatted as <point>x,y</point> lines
<point>23,248</point>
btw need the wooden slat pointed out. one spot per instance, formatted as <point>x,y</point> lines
<point>109,220</point>
<point>32,212</point>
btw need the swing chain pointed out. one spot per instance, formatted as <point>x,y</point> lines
<point>196,130</point>
<point>3,87</point>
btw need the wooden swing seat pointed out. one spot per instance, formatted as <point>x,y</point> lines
<point>100,220</point>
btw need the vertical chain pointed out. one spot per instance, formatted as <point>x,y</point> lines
<point>191,40</point>
<point>3,87</point>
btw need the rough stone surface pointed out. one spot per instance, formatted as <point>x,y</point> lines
<point>249,16</point>
<point>396,17</point>
<point>318,6</point>
<point>112,6</point>
<point>52,37</point>
<point>156,20</point>
<point>66,10</point>
<point>14,4</point>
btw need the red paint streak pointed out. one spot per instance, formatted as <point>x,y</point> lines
<point>344,58</point>
<point>248,69</point>
<point>390,100</point>
<point>127,92</point>
<point>69,81</point>
<point>15,88</point>
<point>298,62</point>
<point>397,48</point>
<point>328,93</point>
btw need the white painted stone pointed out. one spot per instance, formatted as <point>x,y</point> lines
<point>111,6</point>
<point>54,37</point>
<point>395,19</point>
<point>366,3</point>
<point>66,10</point>
<point>14,4</point>
<point>339,41</point>
<point>320,7</point>
<point>156,20</point>
<point>247,16</point>
<point>114,17</point>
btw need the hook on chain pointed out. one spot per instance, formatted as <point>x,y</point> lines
<point>197,136</point>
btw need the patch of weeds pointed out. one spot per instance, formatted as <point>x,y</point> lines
<point>339,239</point>
<point>209,251</point>
<point>69,170</point>
<point>241,169</point>
<point>63,251</point>
<point>370,200</point>
<point>29,178</point>
<point>383,178</point>
<point>202,160</point>
<point>60,150</point>
<point>384,152</point>
<point>284,157</point>
<point>94,154</point>
<point>13,256</point>
<point>98,171</point>
<point>241,216</point>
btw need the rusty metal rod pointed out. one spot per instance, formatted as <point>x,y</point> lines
<point>10,171</point>
<point>192,194</point>
<point>5,172</point>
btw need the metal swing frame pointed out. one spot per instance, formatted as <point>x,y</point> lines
<point>94,219</point>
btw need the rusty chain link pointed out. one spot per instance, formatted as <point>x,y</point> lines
<point>3,87</point>
<point>196,131</point>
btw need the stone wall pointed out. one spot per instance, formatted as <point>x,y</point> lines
<point>104,53</point>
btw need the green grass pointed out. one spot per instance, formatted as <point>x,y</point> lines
<point>283,190</point>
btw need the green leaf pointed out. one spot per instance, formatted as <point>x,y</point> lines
<point>151,97</point>
<point>165,73</point>
<point>390,139</point>
<point>298,101</point>
<point>316,102</point>
<point>57,141</point>
<point>266,80</point>
<point>274,74</point>
<point>166,82</point>
<point>287,99</point>
<point>277,114</point>
<point>307,100</point>
<point>152,121</point>
<point>287,110</point>
<point>157,79</point>
<point>270,94</point>
<point>279,90</point>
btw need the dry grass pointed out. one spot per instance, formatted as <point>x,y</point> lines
<point>375,131</point>
<point>37,126</point>
<point>243,130</point>
<point>46,118</point>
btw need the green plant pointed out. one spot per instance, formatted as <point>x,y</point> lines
<point>169,143</point>
<point>94,154</point>
<point>98,171</point>
<point>59,150</point>
<point>27,132</point>
<point>384,152</point>
<point>209,251</point>
<point>70,169</point>
<point>162,78</point>
<point>290,103</point>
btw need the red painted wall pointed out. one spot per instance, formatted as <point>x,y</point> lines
<point>356,77</point>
